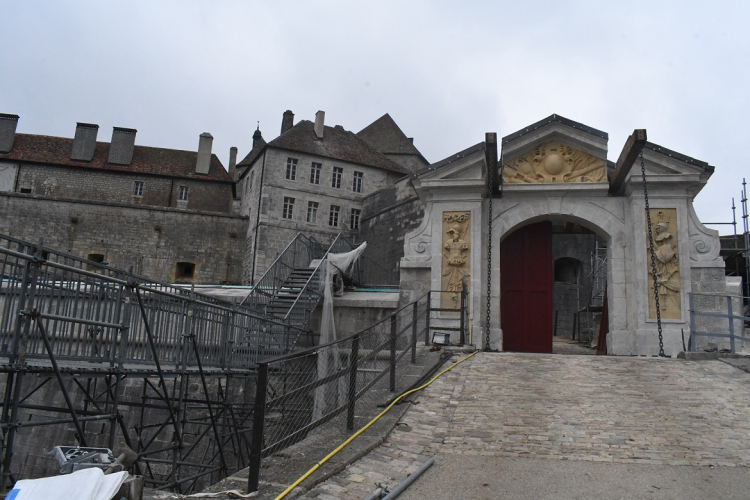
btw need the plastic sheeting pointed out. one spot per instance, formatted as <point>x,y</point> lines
<point>329,360</point>
<point>85,484</point>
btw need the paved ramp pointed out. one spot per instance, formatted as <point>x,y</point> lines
<point>640,416</point>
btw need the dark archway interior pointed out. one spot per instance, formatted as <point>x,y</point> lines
<point>580,274</point>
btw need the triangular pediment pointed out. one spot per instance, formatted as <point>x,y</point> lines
<point>554,162</point>
<point>466,164</point>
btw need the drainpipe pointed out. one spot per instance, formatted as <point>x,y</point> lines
<point>257,216</point>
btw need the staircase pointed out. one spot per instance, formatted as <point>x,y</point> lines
<point>288,293</point>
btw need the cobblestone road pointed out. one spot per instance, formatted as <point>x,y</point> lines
<point>662,412</point>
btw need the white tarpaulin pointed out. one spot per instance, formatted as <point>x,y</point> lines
<point>85,484</point>
<point>329,360</point>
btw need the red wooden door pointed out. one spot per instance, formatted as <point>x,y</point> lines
<point>526,289</point>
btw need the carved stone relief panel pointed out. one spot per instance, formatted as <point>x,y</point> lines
<point>456,252</point>
<point>554,162</point>
<point>666,258</point>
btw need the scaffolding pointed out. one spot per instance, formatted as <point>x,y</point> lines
<point>94,356</point>
<point>588,316</point>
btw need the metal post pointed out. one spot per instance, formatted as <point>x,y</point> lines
<point>691,343</point>
<point>462,339</point>
<point>353,367</point>
<point>427,319</point>
<point>58,374</point>
<point>208,403</point>
<point>730,314</point>
<point>256,446</point>
<point>414,318</point>
<point>394,328</point>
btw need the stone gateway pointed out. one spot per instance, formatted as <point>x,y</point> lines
<point>556,172</point>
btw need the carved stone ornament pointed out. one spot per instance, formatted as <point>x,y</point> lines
<point>666,257</point>
<point>456,253</point>
<point>704,242</point>
<point>554,162</point>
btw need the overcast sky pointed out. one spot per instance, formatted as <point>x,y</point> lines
<point>447,72</point>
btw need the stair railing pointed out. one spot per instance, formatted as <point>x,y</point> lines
<point>312,293</point>
<point>298,253</point>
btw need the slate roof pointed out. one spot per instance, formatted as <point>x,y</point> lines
<point>31,148</point>
<point>387,137</point>
<point>337,144</point>
<point>678,156</point>
<point>454,157</point>
<point>551,119</point>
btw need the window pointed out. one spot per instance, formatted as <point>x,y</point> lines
<point>312,212</point>
<point>566,270</point>
<point>357,182</point>
<point>288,211</point>
<point>184,271</point>
<point>315,173</point>
<point>291,169</point>
<point>333,216</point>
<point>94,257</point>
<point>354,221</point>
<point>138,188</point>
<point>338,172</point>
<point>182,193</point>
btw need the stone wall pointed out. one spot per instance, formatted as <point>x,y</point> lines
<point>387,216</point>
<point>274,231</point>
<point>117,187</point>
<point>150,239</point>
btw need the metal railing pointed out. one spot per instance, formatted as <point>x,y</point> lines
<point>341,382</point>
<point>720,317</point>
<point>99,331</point>
<point>99,314</point>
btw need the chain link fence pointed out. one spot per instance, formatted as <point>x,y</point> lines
<point>338,386</point>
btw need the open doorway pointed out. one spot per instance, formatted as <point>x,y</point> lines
<point>552,288</point>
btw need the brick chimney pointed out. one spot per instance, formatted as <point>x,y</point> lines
<point>319,127</point>
<point>84,142</point>
<point>121,148</point>
<point>204,153</point>
<point>233,163</point>
<point>287,121</point>
<point>8,125</point>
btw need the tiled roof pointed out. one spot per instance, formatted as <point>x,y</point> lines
<point>146,160</point>
<point>385,136</point>
<point>337,143</point>
<point>253,154</point>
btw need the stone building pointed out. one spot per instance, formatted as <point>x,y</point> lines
<point>555,173</point>
<point>165,212</point>
<point>317,180</point>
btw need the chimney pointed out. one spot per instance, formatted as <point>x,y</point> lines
<point>7,132</point>
<point>320,117</point>
<point>204,153</point>
<point>233,163</point>
<point>257,136</point>
<point>287,121</point>
<point>121,148</point>
<point>84,142</point>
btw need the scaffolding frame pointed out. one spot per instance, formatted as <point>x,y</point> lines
<point>95,331</point>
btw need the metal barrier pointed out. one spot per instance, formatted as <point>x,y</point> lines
<point>123,350</point>
<point>341,382</point>
<point>718,317</point>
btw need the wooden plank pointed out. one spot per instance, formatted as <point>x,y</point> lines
<point>490,158</point>
<point>629,154</point>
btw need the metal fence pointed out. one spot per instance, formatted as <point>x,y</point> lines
<point>723,318</point>
<point>99,332</point>
<point>340,384</point>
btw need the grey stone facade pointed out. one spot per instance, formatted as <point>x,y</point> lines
<point>266,183</point>
<point>150,239</point>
